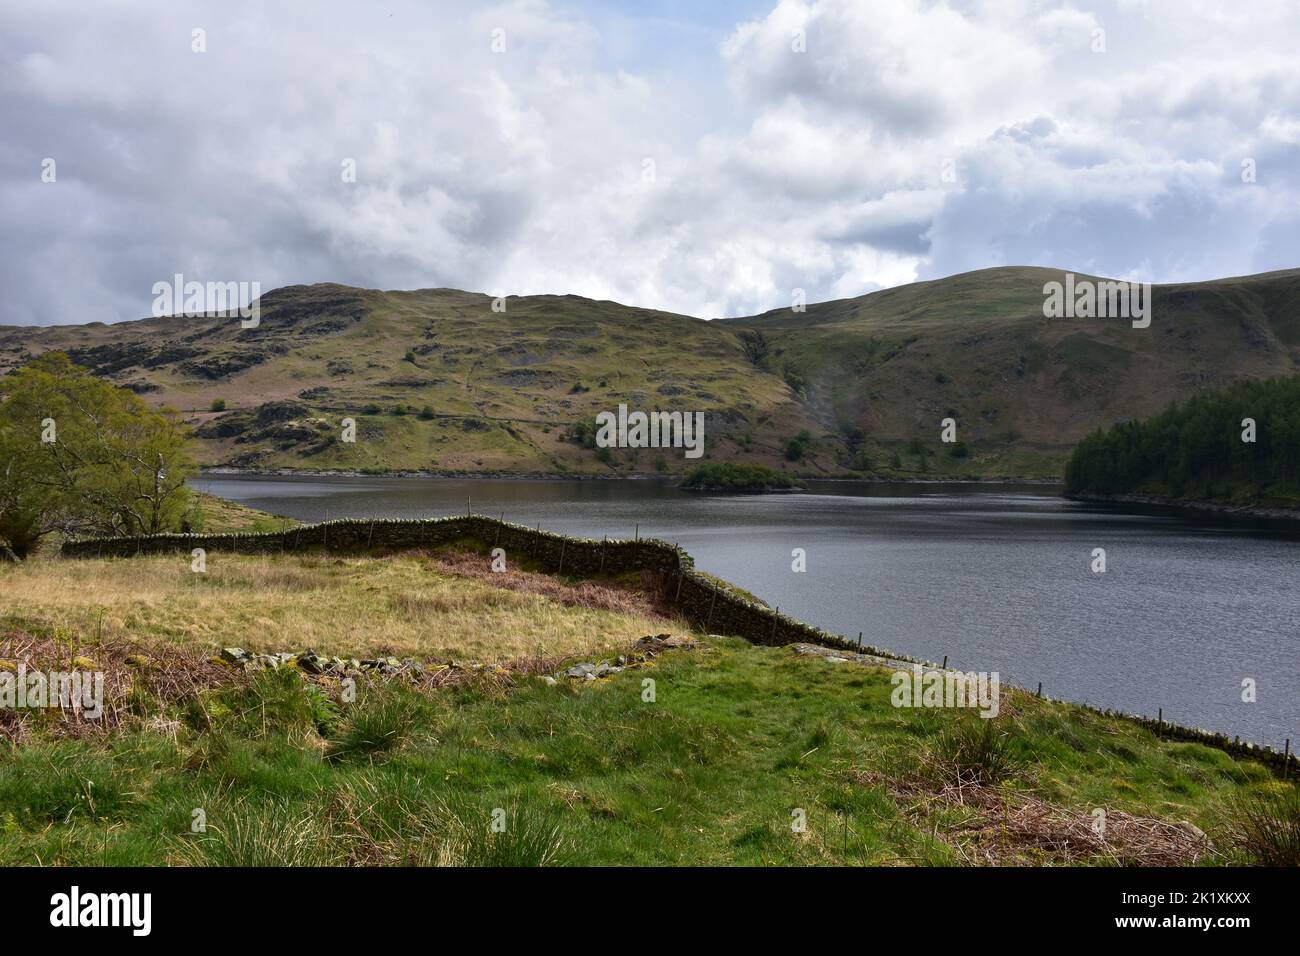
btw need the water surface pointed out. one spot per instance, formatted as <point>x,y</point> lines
<point>995,577</point>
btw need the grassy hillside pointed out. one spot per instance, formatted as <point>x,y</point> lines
<point>736,744</point>
<point>434,380</point>
<point>437,380</point>
<point>1024,389</point>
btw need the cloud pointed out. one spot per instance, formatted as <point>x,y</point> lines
<point>835,147</point>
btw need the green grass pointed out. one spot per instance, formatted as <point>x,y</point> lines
<point>736,740</point>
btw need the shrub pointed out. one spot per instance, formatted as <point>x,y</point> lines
<point>755,347</point>
<point>218,405</point>
<point>736,476</point>
<point>583,433</point>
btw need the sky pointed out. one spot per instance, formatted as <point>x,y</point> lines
<point>702,158</point>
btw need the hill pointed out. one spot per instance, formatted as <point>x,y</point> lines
<point>1024,389</point>
<point>437,380</point>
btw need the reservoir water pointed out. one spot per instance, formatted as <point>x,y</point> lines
<point>996,577</point>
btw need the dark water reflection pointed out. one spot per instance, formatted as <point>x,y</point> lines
<point>995,577</point>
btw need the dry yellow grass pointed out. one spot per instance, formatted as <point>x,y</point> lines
<point>404,606</point>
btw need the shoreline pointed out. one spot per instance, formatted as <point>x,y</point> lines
<point>237,472</point>
<point>1195,506</point>
<point>713,605</point>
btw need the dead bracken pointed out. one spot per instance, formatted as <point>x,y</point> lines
<point>997,826</point>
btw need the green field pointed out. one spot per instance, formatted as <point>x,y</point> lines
<point>724,753</point>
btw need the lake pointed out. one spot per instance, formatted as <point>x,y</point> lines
<point>996,577</point>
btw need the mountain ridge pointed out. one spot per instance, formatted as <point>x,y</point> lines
<point>438,381</point>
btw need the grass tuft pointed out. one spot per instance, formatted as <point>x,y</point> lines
<point>1267,827</point>
<point>974,750</point>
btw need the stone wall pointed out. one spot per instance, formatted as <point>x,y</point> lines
<point>554,552</point>
<point>699,600</point>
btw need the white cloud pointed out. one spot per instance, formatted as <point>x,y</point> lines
<point>525,170</point>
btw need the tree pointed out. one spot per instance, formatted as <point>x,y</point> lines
<point>1196,449</point>
<point>81,456</point>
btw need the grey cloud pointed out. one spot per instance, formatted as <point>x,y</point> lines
<point>522,172</point>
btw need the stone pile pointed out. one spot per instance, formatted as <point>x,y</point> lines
<point>310,662</point>
<point>643,651</point>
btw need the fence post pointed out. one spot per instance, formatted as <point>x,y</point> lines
<point>560,569</point>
